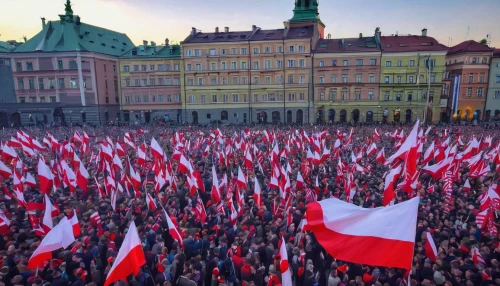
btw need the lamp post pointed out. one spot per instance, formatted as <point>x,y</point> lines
<point>70,117</point>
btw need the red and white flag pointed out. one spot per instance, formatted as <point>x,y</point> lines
<point>286,274</point>
<point>390,179</point>
<point>150,202</point>
<point>130,257</point>
<point>82,177</point>
<point>172,230</point>
<point>184,165</point>
<point>380,156</point>
<point>4,170</point>
<point>61,236</point>
<point>430,248</point>
<point>467,186</point>
<point>257,194</point>
<point>379,236</point>
<point>372,149</point>
<point>30,181</point>
<point>242,181</point>
<point>156,150</point>
<point>44,177</point>
<point>429,154</point>
<point>75,225</point>
<point>477,257</point>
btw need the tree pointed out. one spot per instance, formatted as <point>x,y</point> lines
<point>484,42</point>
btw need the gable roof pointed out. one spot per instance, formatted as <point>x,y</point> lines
<point>469,46</point>
<point>150,51</point>
<point>412,43</point>
<point>68,35</point>
<point>5,47</point>
<point>363,44</point>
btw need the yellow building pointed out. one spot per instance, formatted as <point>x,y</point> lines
<point>150,83</point>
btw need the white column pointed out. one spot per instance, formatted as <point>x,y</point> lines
<point>80,77</point>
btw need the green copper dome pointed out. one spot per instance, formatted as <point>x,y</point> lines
<point>305,11</point>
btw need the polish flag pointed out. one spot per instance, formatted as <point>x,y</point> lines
<point>215,187</point>
<point>172,230</point>
<point>467,186</point>
<point>117,163</point>
<point>156,149</point>
<point>300,181</point>
<point>61,236</point>
<point>30,181</point>
<point>44,177</point>
<point>429,154</point>
<point>477,257</point>
<point>371,150</point>
<point>380,156</point>
<point>376,134</point>
<point>286,275</point>
<point>4,170</point>
<point>36,145</point>
<point>8,153</point>
<point>75,225</point>
<point>390,179</point>
<point>430,248</point>
<point>242,182</point>
<point>130,257</point>
<point>248,161</point>
<point>120,150</point>
<point>437,170</point>
<point>325,155</point>
<point>82,177</point>
<point>150,202</point>
<point>378,236</point>
<point>184,165</point>
<point>257,194</point>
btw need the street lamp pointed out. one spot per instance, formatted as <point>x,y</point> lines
<point>70,116</point>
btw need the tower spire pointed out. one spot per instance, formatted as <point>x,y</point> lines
<point>305,11</point>
<point>67,8</point>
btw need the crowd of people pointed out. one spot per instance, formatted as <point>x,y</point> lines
<point>221,249</point>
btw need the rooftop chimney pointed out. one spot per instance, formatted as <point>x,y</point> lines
<point>424,32</point>
<point>144,43</point>
<point>166,42</point>
<point>193,31</point>
<point>254,27</point>
<point>216,30</point>
<point>329,36</point>
<point>378,33</point>
<point>77,20</point>
<point>360,35</point>
<point>286,24</point>
<point>226,29</point>
<point>43,22</point>
<point>153,44</point>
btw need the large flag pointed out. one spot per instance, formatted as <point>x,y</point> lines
<point>172,230</point>
<point>130,257</point>
<point>286,275</point>
<point>44,177</point>
<point>61,236</point>
<point>379,236</point>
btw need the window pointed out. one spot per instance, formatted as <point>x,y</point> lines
<point>200,81</point>
<point>234,51</point>
<point>176,81</point>
<point>484,60</point>
<point>126,68</point>
<point>203,99</point>
<point>144,68</point>
<point>371,78</point>
<point>398,96</point>
<point>255,51</point>
<point>321,79</point>
<point>225,98</point>
<point>429,63</point>
<point>301,96</point>
<point>386,79</point>
<point>255,80</point>
<point>388,63</point>
<point>471,78</point>
<point>127,82</point>
<point>33,99</point>
<point>127,99</point>
<point>321,63</point>
<point>267,64</point>
<point>60,64</point>
<point>161,98</point>
<point>167,67</point>
<point>410,79</point>
<point>29,66</point>
<point>387,96</point>
<point>188,67</point>
<point>213,80</point>
<point>255,98</point>
<point>480,92</point>
<point>497,78</point>
<point>334,79</point>
<point>358,78</point>
<point>373,62</point>
<point>144,82</point>
<point>136,67</point>
<point>302,78</point>
<point>398,79</point>
<point>153,98</point>
<point>433,78</point>
<point>137,98</point>
<point>189,53</point>
<point>72,83</point>
<point>272,97</point>
<point>279,79</point>
<point>213,66</point>
<point>291,63</point>
<point>191,99</point>
<point>400,63</point>
<point>223,80</point>
<point>22,99</point>
<point>244,80</point>
<point>233,65</point>
<point>137,82</point>
<point>344,94</point>
<point>279,63</point>
<point>357,95</point>
<point>151,67</point>
<point>243,65</point>
<point>302,49</point>
<point>61,83</point>
<point>145,98</point>
<point>267,50</point>
<point>280,49</point>
<point>412,63</point>
<point>292,49</point>
<point>291,96</point>
<point>223,65</point>
<point>481,78</point>
<point>243,51</point>
<point>160,81</point>
<point>176,67</point>
<point>160,67</point>
<point>52,83</point>
<point>198,67</point>
<point>321,96</point>
<point>214,97</point>
<point>410,97</point>
<point>302,63</point>
<point>290,78</point>
<point>346,63</point>
<point>255,65</point>
<point>268,80</point>
<point>236,97</point>
<point>359,62</point>
<point>222,51</point>
<point>334,63</point>
<point>234,80</point>
<point>497,94</point>
<point>333,95</point>
<point>40,83</point>
<point>152,81</point>
<point>370,95</point>
<point>177,97</point>
<point>344,78</point>
<point>19,66</point>
<point>212,52</point>
<point>197,52</point>
<point>31,83</point>
<point>469,91</point>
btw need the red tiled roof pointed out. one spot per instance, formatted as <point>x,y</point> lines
<point>411,43</point>
<point>469,46</point>
<point>365,44</point>
<point>496,53</point>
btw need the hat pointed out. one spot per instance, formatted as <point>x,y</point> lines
<point>215,272</point>
<point>439,278</point>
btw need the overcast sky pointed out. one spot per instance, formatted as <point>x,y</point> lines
<point>449,21</point>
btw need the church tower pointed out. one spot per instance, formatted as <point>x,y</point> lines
<point>306,13</point>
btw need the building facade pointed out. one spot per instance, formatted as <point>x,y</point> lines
<point>411,77</point>
<point>7,91</point>
<point>492,111</point>
<point>252,76</point>
<point>150,83</point>
<point>467,69</point>
<point>67,73</point>
<point>346,79</point>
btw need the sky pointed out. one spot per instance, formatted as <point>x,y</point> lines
<point>449,21</point>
